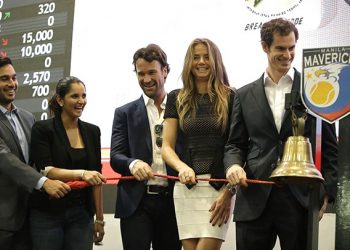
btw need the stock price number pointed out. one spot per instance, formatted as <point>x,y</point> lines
<point>37,50</point>
<point>40,91</point>
<point>33,37</point>
<point>36,77</point>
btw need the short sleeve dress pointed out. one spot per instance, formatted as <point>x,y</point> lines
<point>203,148</point>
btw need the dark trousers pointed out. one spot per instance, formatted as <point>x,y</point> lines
<point>153,222</point>
<point>283,217</point>
<point>17,240</point>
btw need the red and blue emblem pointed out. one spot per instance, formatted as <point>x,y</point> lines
<point>326,83</point>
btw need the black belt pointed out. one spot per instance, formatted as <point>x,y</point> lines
<point>155,189</point>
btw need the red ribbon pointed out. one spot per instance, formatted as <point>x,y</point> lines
<point>84,184</point>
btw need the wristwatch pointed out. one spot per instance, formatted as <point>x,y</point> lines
<point>231,188</point>
<point>101,222</point>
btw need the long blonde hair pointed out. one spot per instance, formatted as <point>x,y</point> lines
<point>218,85</point>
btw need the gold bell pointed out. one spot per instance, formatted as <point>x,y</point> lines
<point>297,165</point>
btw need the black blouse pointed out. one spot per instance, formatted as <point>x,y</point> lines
<point>204,140</point>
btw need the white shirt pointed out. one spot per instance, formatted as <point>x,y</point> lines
<point>275,94</point>
<point>154,118</point>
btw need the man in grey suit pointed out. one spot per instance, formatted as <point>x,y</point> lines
<point>260,127</point>
<point>17,179</point>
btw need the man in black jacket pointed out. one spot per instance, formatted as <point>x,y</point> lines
<point>260,127</point>
<point>145,206</point>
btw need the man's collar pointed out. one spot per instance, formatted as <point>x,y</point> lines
<point>290,73</point>
<point>148,100</point>
<point>13,109</point>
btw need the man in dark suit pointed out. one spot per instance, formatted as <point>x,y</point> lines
<point>260,126</point>
<point>145,205</point>
<point>17,179</point>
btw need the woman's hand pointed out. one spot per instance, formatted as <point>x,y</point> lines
<point>99,231</point>
<point>221,208</point>
<point>93,177</point>
<point>187,175</point>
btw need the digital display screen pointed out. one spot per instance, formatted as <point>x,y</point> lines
<point>37,36</point>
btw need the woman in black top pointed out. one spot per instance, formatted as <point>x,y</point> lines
<point>200,110</point>
<point>67,149</point>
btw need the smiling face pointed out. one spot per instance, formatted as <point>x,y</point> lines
<point>281,52</point>
<point>151,77</point>
<point>201,66</point>
<point>74,101</point>
<point>8,85</point>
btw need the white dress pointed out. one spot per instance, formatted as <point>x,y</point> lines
<point>192,211</point>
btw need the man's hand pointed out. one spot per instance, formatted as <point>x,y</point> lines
<point>236,175</point>
<point>55,188</point>
<point>323,208</point>
<point>142,171</point>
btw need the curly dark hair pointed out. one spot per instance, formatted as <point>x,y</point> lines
<point>150,53</point>
<point>280,26</point>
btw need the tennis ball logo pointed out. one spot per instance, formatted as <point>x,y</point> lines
<point>322,93</point>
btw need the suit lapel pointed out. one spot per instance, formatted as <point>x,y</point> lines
<point>286,122</point>
<point>5,121</point>
<point>142,123</point>
<point>87,143</point>
<point>7,124</point>
<point>259,96</point>
<point>62,135</point>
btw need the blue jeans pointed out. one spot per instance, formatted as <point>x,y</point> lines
<point>71,229</point>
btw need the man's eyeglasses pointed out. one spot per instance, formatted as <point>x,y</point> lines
<point>158,130</point>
